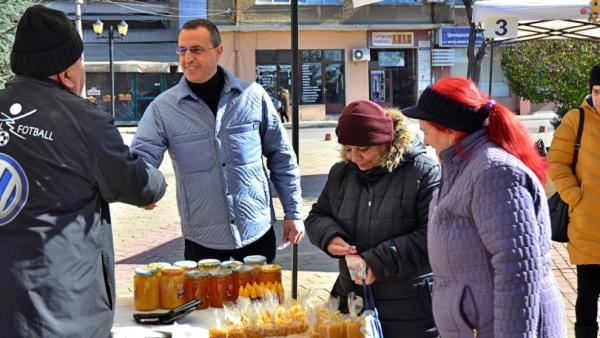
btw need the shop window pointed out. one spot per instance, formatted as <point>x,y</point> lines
<point>322,75</point>
<point>173,77</point>
<point>148,84</point>
<point>332,55</point>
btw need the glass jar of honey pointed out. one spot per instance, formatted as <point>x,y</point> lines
<point>255,261</point>
<point>230,264</point>
<point>242,275</point>
<point>172,287</point>
<point>270,273</point>
<point>196,287</point>
<point>157,266</point>
<point>145,289</point>
<point>221,287</point>
<point>209,264</point>
<point>186,265</point>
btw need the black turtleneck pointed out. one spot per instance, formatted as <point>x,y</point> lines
<point>210,91</point>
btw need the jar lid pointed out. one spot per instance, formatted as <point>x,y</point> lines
<point>172,270</point>
<point>270,268</point>
<point>255,259</point>
<point>186,264</point>
<point>221,273</point>
<point>197,274</point>
<point>209,263</point>
<point>231,264</point>
<point>144,271</point>
<point>159,265</point>
<point>243,269</point>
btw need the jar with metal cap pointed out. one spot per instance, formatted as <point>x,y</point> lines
<point>159,266</point>
<point>255,261</point>
<point>172,287</point>
<point>270,273</point>
<point>242,276</point>
<point>230,264</point>
<point>186,265</point>
<point>145,289</point>
<point>221,287</point>
<point>197,286</point>
<point>209,264</point>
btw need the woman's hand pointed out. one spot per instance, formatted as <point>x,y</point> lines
<point>370,278</point>
<point>338,247</point>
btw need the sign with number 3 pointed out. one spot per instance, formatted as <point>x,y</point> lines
<point>498,27</point>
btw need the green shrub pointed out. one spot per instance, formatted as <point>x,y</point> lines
<point>551,70</point>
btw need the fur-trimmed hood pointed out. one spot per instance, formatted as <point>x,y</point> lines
<point>404,146</point>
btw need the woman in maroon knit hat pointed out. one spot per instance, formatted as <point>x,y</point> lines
<point>375,205</point>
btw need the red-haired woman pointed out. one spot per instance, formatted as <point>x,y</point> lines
<point>488,240</point>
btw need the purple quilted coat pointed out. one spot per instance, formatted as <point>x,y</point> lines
<point>489,247</point>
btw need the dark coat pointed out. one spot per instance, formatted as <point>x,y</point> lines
<point>387,221</point>
<point>63,160</point>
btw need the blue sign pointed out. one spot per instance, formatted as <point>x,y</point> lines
<point>14,189</point>
<point>191,9</point>
<point>457,37</point>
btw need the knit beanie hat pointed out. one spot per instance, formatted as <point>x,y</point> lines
<point>364,123</point>
<point>46,43</point>
<point>437,108</point>
<point>595,76</point>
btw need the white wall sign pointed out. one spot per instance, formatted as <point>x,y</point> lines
<point>498,27</point>
<point>424,64</point>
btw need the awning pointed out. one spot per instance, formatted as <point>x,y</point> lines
<point>127,67</point>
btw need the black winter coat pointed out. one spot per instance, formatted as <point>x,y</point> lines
<point>62,160</point>
<point>387,221</point>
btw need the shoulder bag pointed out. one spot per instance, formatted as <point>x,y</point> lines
<point>559,210</point>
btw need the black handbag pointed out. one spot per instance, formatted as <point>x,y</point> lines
<point>559,210</point>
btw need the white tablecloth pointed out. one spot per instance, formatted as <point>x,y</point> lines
<point>195,324</point>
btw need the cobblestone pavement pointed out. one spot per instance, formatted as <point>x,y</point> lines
<point>142,236</point>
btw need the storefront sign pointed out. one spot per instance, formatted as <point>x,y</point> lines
<point>424,63</point>
<point>443,57</point>
<point>456,37</point>
<point>392,39</point>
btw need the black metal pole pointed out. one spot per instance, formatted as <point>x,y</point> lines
<point>295,125</point>
<point>491,67</point>
<point>112,71</point>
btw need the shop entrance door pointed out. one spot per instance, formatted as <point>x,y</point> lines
<point>392,78</point>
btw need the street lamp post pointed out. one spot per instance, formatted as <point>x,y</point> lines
<point>98,27</point>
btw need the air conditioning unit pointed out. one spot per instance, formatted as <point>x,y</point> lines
<point>361,54</point>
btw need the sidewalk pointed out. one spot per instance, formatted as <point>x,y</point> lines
<point>142,236</point>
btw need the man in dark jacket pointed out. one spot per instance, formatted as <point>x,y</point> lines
<point>61,162</point>
<point>375,204</point>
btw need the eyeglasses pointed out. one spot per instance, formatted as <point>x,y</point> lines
<point>197,51</point>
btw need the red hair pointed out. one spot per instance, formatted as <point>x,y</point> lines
<point>504,128</point>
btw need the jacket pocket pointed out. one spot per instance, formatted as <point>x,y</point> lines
<point>192,153</point>
<point>244,143</point>
<point>107,280</point>
<point>468,310</point>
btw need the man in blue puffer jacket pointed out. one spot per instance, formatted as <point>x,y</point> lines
<point>216,129</point>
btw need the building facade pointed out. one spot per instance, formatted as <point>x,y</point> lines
<point>387,52</point>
